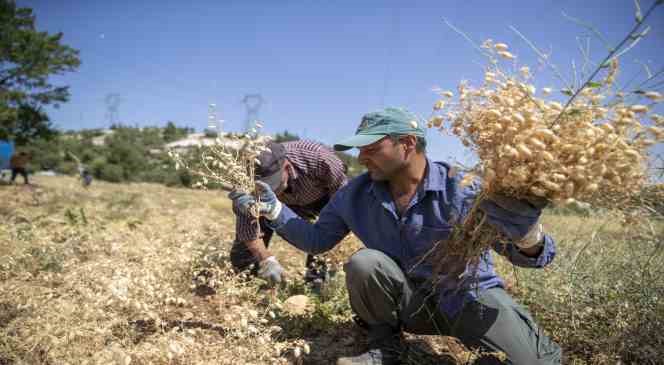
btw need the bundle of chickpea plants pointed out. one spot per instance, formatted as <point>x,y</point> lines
<point>592,149</point>
<point>228,163</point>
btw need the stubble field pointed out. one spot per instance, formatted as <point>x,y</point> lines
<point>139,274</point>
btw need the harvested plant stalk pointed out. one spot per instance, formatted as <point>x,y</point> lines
<point>229,163</point>
<point>531,147</point>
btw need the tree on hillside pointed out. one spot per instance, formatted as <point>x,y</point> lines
<point>27,59</point>
<point>285,137</point>
<point>31,123</point>
<point>126,151</point>
<point>173,133</point>
<point>353,166</point>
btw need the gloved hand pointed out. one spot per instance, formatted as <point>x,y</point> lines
<point>517,219</point>
<point>269,206</point>
<point>271,270</point>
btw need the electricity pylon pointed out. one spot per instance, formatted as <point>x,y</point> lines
<point>253,103</point>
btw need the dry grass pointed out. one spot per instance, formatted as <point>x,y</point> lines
<point>602,298</point>
<point>105,275</point>
<point>139,274</point>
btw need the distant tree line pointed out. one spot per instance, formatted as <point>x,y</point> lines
<point>128,154</point>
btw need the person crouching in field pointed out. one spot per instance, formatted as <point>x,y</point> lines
<point>18,164</point>
<point>304,175</point>
<point>399,209</point>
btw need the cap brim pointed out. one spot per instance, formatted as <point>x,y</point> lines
<point>274,180</point>
<point>358,140</point>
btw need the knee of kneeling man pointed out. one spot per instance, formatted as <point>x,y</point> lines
<point>364,262</point>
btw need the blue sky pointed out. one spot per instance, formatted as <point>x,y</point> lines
<point>319,65</point>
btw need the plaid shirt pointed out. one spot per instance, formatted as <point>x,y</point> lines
<point>315,174</point>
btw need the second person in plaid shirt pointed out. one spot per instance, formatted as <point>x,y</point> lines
<point>305,175</point>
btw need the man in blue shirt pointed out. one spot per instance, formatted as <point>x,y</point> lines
<point>400,209</point>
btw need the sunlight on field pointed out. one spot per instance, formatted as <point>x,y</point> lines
<point>138,273</point>
<point>105,275</point>
<point>602,298</point>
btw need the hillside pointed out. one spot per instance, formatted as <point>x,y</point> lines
<point>139,273</point>
<point>133,154</point>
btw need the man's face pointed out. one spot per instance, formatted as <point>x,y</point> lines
<point>384,159</point>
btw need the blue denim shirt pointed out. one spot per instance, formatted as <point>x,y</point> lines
<point>366,208</point>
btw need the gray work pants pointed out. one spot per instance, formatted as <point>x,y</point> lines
<point>382,296</point>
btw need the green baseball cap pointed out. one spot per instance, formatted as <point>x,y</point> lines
<point>376,125</point>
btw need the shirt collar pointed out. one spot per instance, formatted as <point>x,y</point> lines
<point>435,176</point>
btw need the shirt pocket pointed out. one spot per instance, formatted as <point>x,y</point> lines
<point>421,239</point>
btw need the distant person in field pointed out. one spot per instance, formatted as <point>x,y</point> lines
<point>399,209</point>
<point>83,171</point>
<point>18,163</point>
<point>85,175</point>
<point>304,175</point>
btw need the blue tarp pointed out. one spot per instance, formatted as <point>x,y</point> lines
<point>6,152</point>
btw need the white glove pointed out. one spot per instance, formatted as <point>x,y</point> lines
<point>532,238</point>
<point>269,206</point>
<point>271,270</point>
